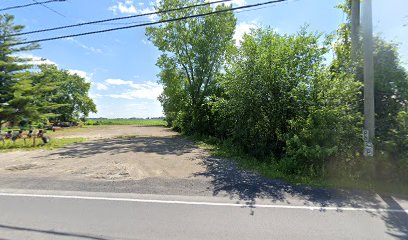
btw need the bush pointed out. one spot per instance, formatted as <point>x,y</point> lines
<point>282,102</point>
<point>92,123</point>
<point>392,154</point>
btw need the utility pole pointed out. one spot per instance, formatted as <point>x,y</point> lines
<point>369,111</point>
<point>355,30</point>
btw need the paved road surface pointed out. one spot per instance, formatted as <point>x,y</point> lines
<point>29,214</point>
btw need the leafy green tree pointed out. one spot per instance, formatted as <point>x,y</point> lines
<point>14,71</point>
<point>173,98</point>
<point>390,77</point>
<point>28,104</point>
<point>390,93</point>
<point>69,93</point>
<point>193,53</point>
<point>282,101</point>
<point>391,87</point>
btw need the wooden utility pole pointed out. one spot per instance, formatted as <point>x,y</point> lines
<point>369,111</point>
<point>355,30</point>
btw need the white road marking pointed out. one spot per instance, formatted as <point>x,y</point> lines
<point>204,203</point>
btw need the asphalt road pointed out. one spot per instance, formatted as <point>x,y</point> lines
<point>29,214</point>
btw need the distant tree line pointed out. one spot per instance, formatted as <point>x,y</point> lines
<point>31,94</point>
<point>275,96</point>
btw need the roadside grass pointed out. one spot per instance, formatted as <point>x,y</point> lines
<point>136,122</point>
<point>269,169</point>
<point>103,122</point>
<point>53,144</point>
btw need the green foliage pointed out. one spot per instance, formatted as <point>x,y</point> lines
<point>281,101</point>
<point>193,52</point>
<point>391,99</point>
<point>277,102</point>
<point>392,160</point>
<point>27,96</point>
<point>277,169</point>
<point>54,143</point>
<point>15,85</point>
<point>391,87</point>
<point>69,93</point>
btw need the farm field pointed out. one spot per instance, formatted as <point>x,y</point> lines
<point>94,129</point>
<point>136,122</point>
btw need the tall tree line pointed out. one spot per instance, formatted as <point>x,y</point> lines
<point>275,97</point>
<point>35,94</point>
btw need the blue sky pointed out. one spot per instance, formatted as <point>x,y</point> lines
<point>121,65</point>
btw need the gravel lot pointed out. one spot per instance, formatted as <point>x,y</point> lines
<point>111,153</point>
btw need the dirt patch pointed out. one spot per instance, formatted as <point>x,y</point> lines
<point>112,153</point>
<point>110,131</point>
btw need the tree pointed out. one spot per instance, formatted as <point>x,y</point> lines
<point>193,51</point>
<point>390,93</point>
<point>281,101</point>
<point>27,103</point>
<point>14,71</point>
<point>391,86</point>
<point>69,93</point>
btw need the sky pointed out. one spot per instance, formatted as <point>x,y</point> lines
<point>121,65</point>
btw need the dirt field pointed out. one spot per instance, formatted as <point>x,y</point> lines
<point>109,131</point>
<point>111,153</point>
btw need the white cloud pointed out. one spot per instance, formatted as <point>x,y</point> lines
<point>101,86</point>
<point>146,10</point>
<point>241,29</point>
<point>147,90</point>
<point>81,45</point>
<point>36,60</point>
<point>122,96</point>
<point>129,7</point>
<point>83,74</point>
<point>117,82</point>
<point>124,7</point>
<point>135,108</point>
<point>95,96</point>
<point>237,3</point>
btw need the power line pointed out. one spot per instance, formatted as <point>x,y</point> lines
<point>148,24</point>
<point>118,18</point>
<point>30,4</point>
<point>52,10</point>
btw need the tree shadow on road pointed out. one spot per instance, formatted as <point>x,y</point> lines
<point>396,221</point>
<point>53,232</point>
<point>228,179</point>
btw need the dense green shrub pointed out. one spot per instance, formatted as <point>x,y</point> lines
<point>392,159</point>
<point>282,102</point>
<point>192,54</point>
<point>275,98</point>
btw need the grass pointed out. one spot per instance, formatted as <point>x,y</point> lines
<point>136,122</point>
<point>269,170</point>
<point>16,128</point>
<point>54,143</point>
<point>4,129</point>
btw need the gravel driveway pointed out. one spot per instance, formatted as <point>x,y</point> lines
<point>111,153</point>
